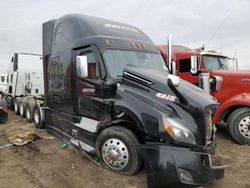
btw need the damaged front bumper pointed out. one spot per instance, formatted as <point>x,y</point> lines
<point>168,166</point>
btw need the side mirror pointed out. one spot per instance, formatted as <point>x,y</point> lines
<point>174,79</point>
<point>82,66</point>
<point>194,65</point>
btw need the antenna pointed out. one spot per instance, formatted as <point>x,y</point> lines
<point>235,55</point>
<point>220,25</point>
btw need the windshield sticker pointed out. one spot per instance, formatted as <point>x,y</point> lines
<point>166,97</point>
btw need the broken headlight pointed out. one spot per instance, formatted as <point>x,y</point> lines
<point>178,131</point>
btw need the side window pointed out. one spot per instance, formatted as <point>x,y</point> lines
<point>185,65</point>
<point>93,71</point>
<point>2,79</point>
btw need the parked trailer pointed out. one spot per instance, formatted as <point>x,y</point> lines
<point>212,71</point>
<point>25,87</point>
<point>107,92</point>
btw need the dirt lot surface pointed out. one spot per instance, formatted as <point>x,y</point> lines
<point>43,164</point>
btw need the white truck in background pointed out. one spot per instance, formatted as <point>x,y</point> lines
<point>3,83</point>
<point>25,86</point>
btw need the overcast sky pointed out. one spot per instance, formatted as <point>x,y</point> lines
<point>223,25</point>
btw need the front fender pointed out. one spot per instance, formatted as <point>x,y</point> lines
<point>237,100</point>
<point>141,110</point>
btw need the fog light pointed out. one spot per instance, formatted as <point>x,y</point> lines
<point>185,176</point>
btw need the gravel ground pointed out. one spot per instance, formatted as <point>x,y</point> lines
<point>43,164</point>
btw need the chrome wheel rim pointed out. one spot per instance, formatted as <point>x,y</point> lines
<point>15,106</point>
<point>21,109</point>
<point>28,114</point>
<point>244,127</point>
<point>115,154</point>
<point>36,117</point>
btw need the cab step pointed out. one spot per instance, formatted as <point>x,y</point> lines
<point>89,149</point>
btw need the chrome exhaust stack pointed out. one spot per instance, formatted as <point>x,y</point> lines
<point>171,64</point>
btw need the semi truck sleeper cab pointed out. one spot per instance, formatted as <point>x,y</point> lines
<point>107,92</point>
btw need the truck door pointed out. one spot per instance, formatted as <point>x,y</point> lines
<point>89,90</point>
<point>184,71</point>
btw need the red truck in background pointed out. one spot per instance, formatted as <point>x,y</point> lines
<point>212,71</point>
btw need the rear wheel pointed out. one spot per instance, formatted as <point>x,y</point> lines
<point>10,102</point>
<point>38,116</point>
<point>29,109</point>
<point>16,103</point>
<point>118,148</point>
<point>239,125</point>
<point>22,108</point>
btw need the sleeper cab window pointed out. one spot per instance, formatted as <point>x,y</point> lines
<point>93,71</point>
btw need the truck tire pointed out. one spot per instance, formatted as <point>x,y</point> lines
<point>22,108</point>
<point>239,125</point>
<point>38,116</point>
<point>118,149</point>
<point>16,103</point>
<point>9,101</point>
<point>29,109</point>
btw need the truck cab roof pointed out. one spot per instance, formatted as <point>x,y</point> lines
<point>213,53</point>
<point>176,48</point>
<point>74,30</point>
<point>186,50</point>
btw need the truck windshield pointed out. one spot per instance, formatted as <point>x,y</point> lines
<point>216,63</point>
<point>117,60</point>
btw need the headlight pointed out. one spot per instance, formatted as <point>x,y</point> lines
<point>178,131</point>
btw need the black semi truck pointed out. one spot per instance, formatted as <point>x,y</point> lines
<point>108,92</point>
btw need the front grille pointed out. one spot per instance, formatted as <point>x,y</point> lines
<point>210,128</point>
<point>209,124</point>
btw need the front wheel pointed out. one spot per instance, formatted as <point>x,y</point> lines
<point>239,125</point>
<point>118,148</point>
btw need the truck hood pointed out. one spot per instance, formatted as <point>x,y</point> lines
<point>233,83</point>
<point>151,87</point>
<point>231,73</point>
<point>158,81</point>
